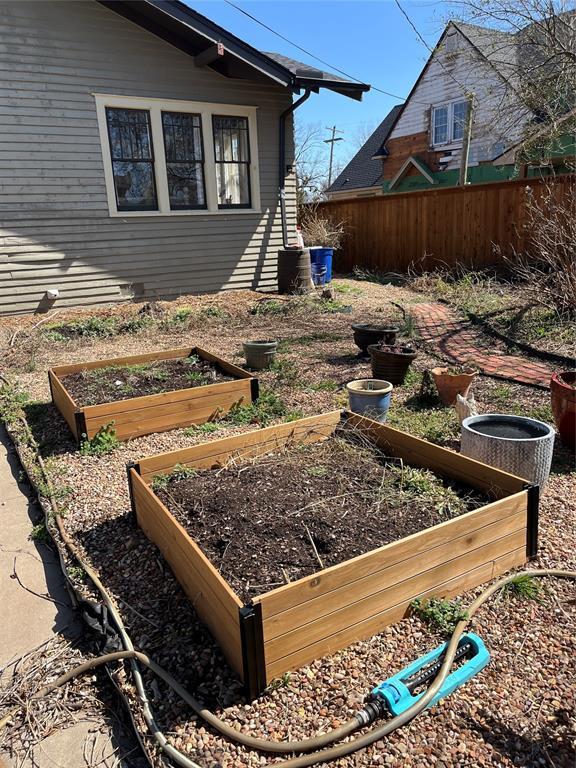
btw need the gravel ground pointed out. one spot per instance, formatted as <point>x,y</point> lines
<point>517,712</point>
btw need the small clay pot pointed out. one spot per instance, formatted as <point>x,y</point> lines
<point>391,363</point>
<point>449,385</point>
<point>259,354</point>
<point>366,334</point>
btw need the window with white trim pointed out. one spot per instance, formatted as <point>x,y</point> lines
<point>448,122</point>
<point>178,157</point>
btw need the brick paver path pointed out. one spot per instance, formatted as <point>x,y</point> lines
<point>460,342</point>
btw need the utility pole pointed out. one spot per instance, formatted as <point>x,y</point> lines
<point>331,142</point>
<point>462,180</point>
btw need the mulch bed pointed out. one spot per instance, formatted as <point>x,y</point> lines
<point>284,516</point>
<point>121,382</point>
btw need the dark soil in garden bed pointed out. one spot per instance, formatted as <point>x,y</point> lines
<point>121,382</point>
<point>284,516</point>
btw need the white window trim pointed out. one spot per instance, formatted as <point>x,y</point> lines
<point>450,141</point>
<point>205,110</point>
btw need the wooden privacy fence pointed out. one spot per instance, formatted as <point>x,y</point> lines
<point>438,227</point>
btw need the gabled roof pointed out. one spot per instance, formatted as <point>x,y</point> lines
<point>198,36</point>
<point>499,48</point>
<point>363,171</point>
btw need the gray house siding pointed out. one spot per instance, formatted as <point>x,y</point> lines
<point>55,227</point>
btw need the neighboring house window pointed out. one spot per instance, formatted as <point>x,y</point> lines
<point>184,160</point>
<point>449,122</point>
<point>178,157</point>
<point>232,157</point>
<point>440,130</point>
<point>132,159</point>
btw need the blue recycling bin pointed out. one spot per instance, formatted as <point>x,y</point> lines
<point>321,261</point>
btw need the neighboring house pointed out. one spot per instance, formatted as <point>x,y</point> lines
<point>424,145</point>
<point>362,177</point>
<point>145,152</point>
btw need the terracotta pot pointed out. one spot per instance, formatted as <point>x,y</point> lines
<point>451,384</point>
<point>366,334</point>
<point>390,365</point>
<point>563,394</point>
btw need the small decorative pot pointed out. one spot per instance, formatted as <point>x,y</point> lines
<point>563,395</point>
<point>516,444</point>
<point>259,354</point>
<point>391,363</point>
<point>370,397</point>
<point>451,384</point>
<point>366,334</point>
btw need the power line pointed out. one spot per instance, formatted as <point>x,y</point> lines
<point>312,55</point>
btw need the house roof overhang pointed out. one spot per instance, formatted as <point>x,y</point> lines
<point>194,34</point>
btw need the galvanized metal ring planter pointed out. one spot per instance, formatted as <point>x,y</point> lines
<point>152,413</point>
<point>290,626</point>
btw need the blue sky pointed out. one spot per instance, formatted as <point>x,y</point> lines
<point>370,40</point>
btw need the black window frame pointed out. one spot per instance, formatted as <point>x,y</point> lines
<point>152,161</point>
<point>248,163</point>
<point>200,207</point>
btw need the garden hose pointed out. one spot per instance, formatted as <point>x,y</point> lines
<point>324,755</point>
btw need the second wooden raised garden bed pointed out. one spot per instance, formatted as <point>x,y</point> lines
<point>289,626</point>
<point>135,416</point>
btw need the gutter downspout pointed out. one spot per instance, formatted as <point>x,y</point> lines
<point>282,163</point>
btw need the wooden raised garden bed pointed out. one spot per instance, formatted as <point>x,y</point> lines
<point>135,416</point>
<point>289,626</point>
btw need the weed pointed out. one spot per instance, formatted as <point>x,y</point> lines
<point>76,573</point>
<point>540,413</point>
<point>333,306</point>
<point>179,319</point>
<point>89,327</point>
<point>501,394</point>
<point>104,441</point>
<point>285,370</point>
<point>326,385</point>
<point>136,324</point>
<point>269,307</point>
<point>438,425</point>
<point>352,290</point>
<point>39,533</point>
<point>409,329</point>
<point>268,407</point>
<point>373,276</point>
<point>524,587</point>
<point>180,472</point>
<point>51,334</point>
<point>194,376</point>
<point>12,401</point>
<point>213,312</point>
<point>440,613</point>
<point>280,682</point>
<point>206,428</point>
<point>317,471</point>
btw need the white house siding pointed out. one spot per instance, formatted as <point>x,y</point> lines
<point>55,228</point>
<point>497,121</point>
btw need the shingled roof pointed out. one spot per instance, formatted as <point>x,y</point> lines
<point>363,172</point>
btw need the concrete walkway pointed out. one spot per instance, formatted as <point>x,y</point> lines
<point>28,619</point>
<point>460,342</point>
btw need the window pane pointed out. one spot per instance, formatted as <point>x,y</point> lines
<point>440,125</point>
<point>233,183</point>
<point>134,184</point>
<point>132,159</point>
<point>232,155</point>
<point>459,113</point>
<point>184,159</point>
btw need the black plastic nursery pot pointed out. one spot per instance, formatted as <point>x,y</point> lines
<point>389,365</point>
<point>367,333</point>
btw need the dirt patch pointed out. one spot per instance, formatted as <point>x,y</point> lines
<point>120,382</point>
<point>287,515</point>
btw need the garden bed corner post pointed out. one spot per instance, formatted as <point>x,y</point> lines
<point>533,503</point>
<point>253,660</point>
